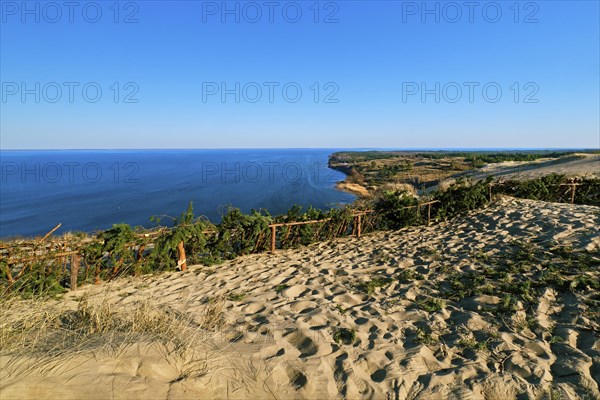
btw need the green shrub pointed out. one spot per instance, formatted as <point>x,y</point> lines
<point>188,230</point>
<point>460,198</point>
<point>243,233</point>
<point>39,281</point>
<point>345,336</point>
<point>548,188</point>
<point>432,305</point>
<point>113,247</point>
<point>392,205</point>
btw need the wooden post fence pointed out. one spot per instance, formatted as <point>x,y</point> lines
<point>273,237</point>
<point>76,256</point>
<point>573,186</point>
<point>75,260</point>
<point>36,250</point>
<point>357,221</point>
<point>428,213</point>
<point>182,263</point>
<point>275,226</point>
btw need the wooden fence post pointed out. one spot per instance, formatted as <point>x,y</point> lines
<point>74,271</point>
<point>573,187</point>
<point>182,261</point>
<point>8,272</point>
<point>138,260</point>
<point>273,238</point>
<point>490,190</point>
<point>428,213</point>
<point>358,223</point>
<point>140,252</point>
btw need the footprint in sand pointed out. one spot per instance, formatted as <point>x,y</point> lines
<point>295,291</point>
<point>253,308</point>
<point>379,375</point>
<point>297,378</point>
<point>303,307</point>
<point>305,345</point>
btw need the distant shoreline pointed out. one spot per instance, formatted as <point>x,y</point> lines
<point>366,171</point>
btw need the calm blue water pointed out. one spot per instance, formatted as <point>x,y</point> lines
<point>86,190</point>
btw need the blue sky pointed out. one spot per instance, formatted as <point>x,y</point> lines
<point>369,60</point>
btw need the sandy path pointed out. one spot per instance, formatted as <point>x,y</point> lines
<point>279,338</point>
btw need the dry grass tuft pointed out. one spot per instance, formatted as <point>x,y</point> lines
<point>38,326</point>
<point>38,336</point>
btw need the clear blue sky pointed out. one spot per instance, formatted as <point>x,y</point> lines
<point>375,56</point>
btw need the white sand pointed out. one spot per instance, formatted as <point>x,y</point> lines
<point>279,342</point>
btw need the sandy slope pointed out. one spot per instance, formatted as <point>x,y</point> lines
<point>576,165</point>
<point>278,341</point>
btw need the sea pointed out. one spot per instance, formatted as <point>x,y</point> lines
<point>90,190</point>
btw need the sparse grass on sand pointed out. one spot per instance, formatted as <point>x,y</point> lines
<point>39,337</point>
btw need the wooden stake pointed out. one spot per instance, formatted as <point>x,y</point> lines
<point>273,238</point>
<point>182,261</point>
<point>138,260</point>
<point>490,190</point>
<point>140,253</point>
<point>63,260</point>
<point>358,223</point>
<point>257,242</point>
<point>428,213</point>
<point>573,187</point>
<point>8,273</point>
<point>74,271</point>
<point>50,233</point>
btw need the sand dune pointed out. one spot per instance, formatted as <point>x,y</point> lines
<point>355,318</point>
<point>576,165</point>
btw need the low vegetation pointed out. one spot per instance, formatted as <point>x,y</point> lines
<point>52,328</point>
<point>519,276</point>
<point>371,286</point>
<point>344,336</point>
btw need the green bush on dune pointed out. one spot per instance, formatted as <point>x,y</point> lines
<point>399,209</point>
<point>461,198</point>
<point>553,188</point>
<point>186,229</point>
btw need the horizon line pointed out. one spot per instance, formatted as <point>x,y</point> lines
<point>316,148</point>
